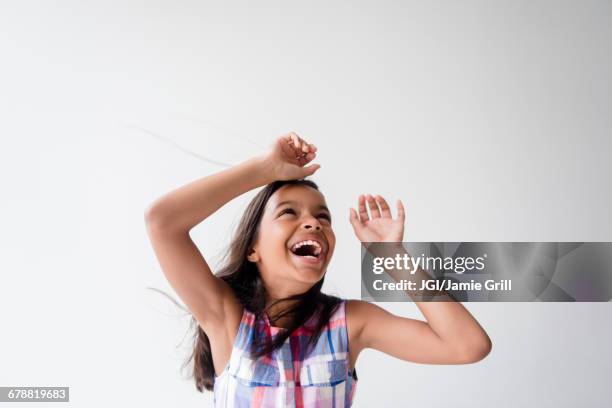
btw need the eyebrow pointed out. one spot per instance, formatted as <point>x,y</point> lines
<point>320,207</point>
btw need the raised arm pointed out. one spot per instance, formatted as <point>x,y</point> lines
<point>170,218</point>
<point>450,334</point>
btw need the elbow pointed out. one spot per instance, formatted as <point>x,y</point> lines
<point>477,351</point>
<point>154,217</point>
<point>158,220</point>
<point>150,215</point>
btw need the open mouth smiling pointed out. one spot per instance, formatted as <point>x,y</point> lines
<point>308,250</point>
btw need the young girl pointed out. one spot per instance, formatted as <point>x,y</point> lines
<point>267,336</point>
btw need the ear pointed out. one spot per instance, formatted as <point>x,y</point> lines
<point>253,256</point>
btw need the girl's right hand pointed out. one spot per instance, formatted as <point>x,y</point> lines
<point>288,156</point>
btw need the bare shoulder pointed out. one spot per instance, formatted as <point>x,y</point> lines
<point>359,317</point>
<point>358,312</point>
<point>233,314</point>
<point>222,334</point>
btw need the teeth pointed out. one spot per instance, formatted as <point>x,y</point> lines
<point>308,242</point>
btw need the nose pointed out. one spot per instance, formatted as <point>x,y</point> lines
<point>312,224</point>
<point>316,227</point>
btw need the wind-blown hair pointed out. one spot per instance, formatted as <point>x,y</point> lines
<point>244,279</point>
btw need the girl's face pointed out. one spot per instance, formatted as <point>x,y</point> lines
<point>295,241</point>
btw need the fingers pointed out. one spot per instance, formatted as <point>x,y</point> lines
<point>379,208</point>
<point>354,219</point>
<point>295,140</point>
<point>384,207</point>
<point>310,170</point>
<point>374,210</point>
<point>296,144</point>
<point>401,215</point>
<point>363,213</point>
<point>302,151</point>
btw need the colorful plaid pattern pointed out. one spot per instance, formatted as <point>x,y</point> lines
<point>289,378</point>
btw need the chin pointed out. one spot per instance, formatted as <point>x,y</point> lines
<point>308,271</point>
<point>309,275</point>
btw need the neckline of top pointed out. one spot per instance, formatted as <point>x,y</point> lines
<point>274,328</point>
<point>277,328</point>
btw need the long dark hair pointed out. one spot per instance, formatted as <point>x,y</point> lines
<point>244,279</point>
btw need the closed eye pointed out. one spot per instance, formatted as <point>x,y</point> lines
<point>286,211</point>
<point>291,211</point>
<point>326,216</point>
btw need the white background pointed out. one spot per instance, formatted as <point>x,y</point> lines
<point>490,120</point>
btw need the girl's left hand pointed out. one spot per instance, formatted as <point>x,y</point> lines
<point>380,226</point>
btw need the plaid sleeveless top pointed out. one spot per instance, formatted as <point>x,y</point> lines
<point>288,377</point>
